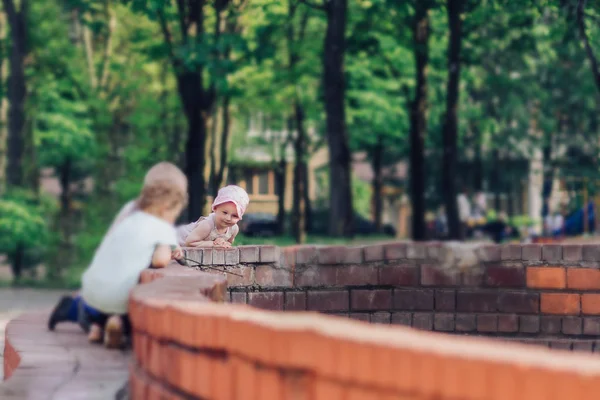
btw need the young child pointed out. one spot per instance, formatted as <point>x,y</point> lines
<point>143,238</point>
<point>220,227</point>
<point>68,307</point>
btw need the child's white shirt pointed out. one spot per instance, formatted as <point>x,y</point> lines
<point>123,254</point>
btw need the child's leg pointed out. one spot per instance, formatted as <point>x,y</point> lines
<point>65,311</point>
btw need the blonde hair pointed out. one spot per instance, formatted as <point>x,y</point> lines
<point>166,171</point>
<point>162,193</point>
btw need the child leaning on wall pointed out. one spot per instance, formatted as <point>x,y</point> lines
<point>69,307</point>
<point>144,238</point>
<point>220,227</point>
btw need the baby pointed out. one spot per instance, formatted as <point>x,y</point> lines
<point>144,238</point>
<point>220,227</point>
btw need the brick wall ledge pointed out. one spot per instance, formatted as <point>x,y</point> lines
<point>447,255</point>
<point>187,347</point>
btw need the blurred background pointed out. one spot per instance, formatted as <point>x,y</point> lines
<point>346,121</point>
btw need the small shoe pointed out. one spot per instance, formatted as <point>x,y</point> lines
<point>95,334</point>
<point>60,312</point>
<point>113,333</point>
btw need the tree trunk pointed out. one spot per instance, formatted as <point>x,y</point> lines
<point>299,208</point>
<point>495,179</point>
<point>224,143</point>
<point>340,189</point>
<point>586,43</point>
<point>418,119</point>
<point>18,262</point>
<point>3,103</point>
<point>306,194</point>
<point>281,178</point>
<point>17,20</point>
<point>378,184</point>
<point>478,162</point>
<point>450,130</point>
<point>213,186</point>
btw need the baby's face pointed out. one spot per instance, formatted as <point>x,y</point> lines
<point>226,215</point>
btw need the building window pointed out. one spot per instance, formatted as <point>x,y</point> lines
<point>263,182</point>
<point>249,178</point>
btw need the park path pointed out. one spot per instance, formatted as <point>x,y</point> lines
<point>16,301</point>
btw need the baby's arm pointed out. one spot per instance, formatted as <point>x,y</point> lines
<point>234,231</point>
<point>161,256</point>
<point>197,237</point>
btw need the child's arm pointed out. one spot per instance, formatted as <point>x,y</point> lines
<point>161,256</point>
<point>234,231</point>
<point>197,237</point>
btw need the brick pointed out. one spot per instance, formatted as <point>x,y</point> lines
<point>560,345</point>
<point>445,300</point>
<point>508,323</point>
<point>519,302</point>
<point>365,317</point>
<point>207,256</point>
<point>373,253</point>
<point>529,323</point>
<point>330,255</point>
<point>218,256</point>
<point>232,256</point>
<point>550,324</point>
<point>352,255</point>
<point>590,252</point>
<point>434,251</point>
<point>356,275</point>
<point>487,323</point>
<point>244,276</point>
<point>413,299</point>
<point>416,251</point>
<point>476,301</point>
<point>546,277</point>
<point>434,276</point>
<point>591,326</point>
<point>266,300</point>
<point>443,322</point>
<point>398,275</point>
<point>238,297</point>
<point>269,254</point>
<point>560,303</point>
<point>315,276</point>
<point>328,300</point>
<point>498,276</point>
<point>269,276</point>
<point>583,278</point>
<point>422,321</point>
<point>381,317</point>
<point>490,253</point>
<point>287,258</point>
<point>473,277</point>
<point>306,255</point>
<point>590,303</point>
<point>572,325</point>
<point>465,323</point>
<point>195,255</point>
<point>511,252</point>
<point>586,347</point>
<point>402,318</point>
<point>572,252</point>
<point>531,252</point>
<point>295,301</point>
<point>552,252</point>
<point>371,300</point>
<point>394,251</point>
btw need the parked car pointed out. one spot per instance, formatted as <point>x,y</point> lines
<point>259,224</point>
<point>362,226</point>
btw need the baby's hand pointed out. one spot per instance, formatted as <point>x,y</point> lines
<point>177,253</point>
<point>220,242</point>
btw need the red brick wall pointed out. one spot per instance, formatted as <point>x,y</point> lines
<point>548,294</point>
<point>187,347</point>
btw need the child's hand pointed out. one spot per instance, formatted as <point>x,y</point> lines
<point>177,253</point>
<point>220,242</point>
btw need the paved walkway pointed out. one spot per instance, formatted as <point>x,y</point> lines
<point>16,301</point>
